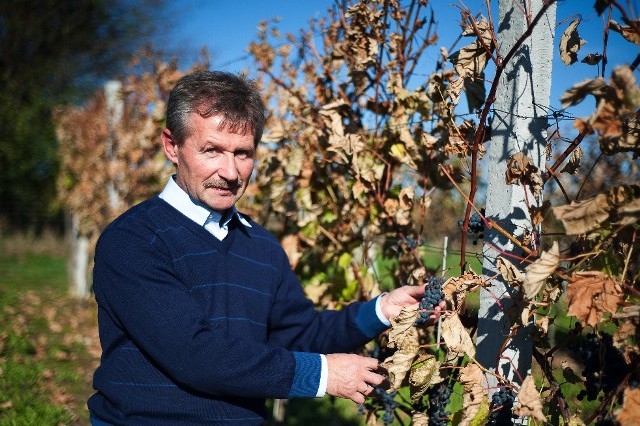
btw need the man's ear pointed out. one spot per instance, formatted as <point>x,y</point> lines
<point>170,146</point>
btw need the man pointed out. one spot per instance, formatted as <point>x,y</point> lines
<point>200,315</point>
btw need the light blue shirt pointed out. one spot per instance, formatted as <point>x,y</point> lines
<point>214,221</point>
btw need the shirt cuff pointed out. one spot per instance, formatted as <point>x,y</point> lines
<point>379,313</point>
<point>324,377</point>
<point>370,319</point>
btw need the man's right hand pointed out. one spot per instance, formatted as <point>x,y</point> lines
<point>352,376</point>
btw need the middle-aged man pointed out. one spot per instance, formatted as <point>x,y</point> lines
<point>201,317</point>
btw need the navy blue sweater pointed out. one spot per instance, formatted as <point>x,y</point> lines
<point>195,330</point>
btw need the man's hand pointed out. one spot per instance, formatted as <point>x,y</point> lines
<point>406,296</point>
<point>352,376</point>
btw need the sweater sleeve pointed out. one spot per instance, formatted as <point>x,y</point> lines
<point>297,325</point>
<point>140,299</point>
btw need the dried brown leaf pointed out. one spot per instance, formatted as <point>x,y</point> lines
<point>578,92</point>
<point>529,403</point>
<point>626,31</point>
<point>538,213</point>
<point>570,43</point>
<point>399,364</point>
<point>592,293</point>
<point>537,272</point>
<point>419,419</point>
<point>424,374</point>
<point>520,169</point>
<point>455,289</point>
<point>629,213</point>
<point>592,59</point>
<point>475,401</point>
<point>510,273</point>
<point>403,332</point>
<point>573,163</point>
<point>629,414</point>
<point>582,217</point>
<point>457,338</point>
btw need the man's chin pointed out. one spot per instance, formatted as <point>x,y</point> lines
<point>221,204</point>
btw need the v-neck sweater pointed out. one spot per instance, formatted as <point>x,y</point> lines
<point>195,330</point>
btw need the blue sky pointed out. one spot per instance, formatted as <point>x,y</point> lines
<point>227,27</point>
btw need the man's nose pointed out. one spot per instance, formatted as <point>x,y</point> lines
<point>228,169</point>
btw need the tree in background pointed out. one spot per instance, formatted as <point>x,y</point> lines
<point>53,52</point>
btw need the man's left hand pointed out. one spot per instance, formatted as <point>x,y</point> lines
<point>407,296</point>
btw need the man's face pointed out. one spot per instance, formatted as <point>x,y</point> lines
<point>213,165</point>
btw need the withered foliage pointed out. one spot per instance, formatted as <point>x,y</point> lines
<point>363,127</point>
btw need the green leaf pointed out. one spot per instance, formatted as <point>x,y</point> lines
<point>344,261</point>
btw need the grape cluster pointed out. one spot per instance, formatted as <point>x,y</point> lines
<point>502,408</point>
<point>439,396</point>
<point>604,365</point>
<point>433,295</point>
<point>476,226</point>
<point>406,245</point>
<point>388,402</point>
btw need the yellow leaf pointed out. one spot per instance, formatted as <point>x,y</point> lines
<point>399,152</point>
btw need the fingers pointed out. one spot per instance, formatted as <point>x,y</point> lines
<point>438,310</point>
<point>352,376</point>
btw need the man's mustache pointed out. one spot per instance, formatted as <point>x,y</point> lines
<point>224,184</point>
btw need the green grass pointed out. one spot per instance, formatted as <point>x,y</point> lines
<point>33,272</point>
<point>29,370</point>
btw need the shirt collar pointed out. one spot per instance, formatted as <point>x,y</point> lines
<point>181,201</point>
